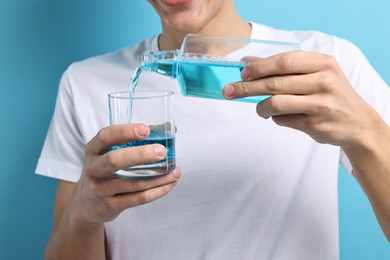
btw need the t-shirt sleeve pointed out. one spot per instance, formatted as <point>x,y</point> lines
<point>62,155</point>
<point>367,82</point>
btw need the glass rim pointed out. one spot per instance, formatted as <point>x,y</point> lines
<point>143,94</point>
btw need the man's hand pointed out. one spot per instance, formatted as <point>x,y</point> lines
<point>100,196</point>
<point>309,92</point>
<point>81,209</point>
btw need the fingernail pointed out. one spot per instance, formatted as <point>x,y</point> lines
<point>141,130</point>
<point>159,150</point>
<point>245,74</point>
<point>228,91</point>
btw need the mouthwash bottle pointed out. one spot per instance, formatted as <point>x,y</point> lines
<point>205,64</point>
<point>202,76</point>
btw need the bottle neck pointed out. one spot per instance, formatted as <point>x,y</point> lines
<point>158,56</point>
<point>162,62</point>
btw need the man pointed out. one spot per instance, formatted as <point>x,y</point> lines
<point>250,189</point>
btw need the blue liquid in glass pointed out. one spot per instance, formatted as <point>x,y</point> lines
<point>164,166</point>
<point>201,77</point>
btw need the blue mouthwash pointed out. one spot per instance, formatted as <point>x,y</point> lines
<point>156,137</point>
<point>197,76</point>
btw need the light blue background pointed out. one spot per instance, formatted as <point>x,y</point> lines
<point>40,38</point>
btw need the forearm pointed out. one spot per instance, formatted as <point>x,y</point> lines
<point>371,167</point>
<point>76,240</point>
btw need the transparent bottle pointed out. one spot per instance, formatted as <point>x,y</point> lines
<point>205,64</point>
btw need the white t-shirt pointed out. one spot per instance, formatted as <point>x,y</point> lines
<point>249,189</point>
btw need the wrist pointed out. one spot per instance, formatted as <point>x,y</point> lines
<point>372,147</point>
<point>76,217</point>
<point>369,134</point>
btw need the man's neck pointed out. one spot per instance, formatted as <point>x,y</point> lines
<point>228,24</point>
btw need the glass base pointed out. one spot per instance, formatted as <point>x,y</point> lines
<point>148,170</point>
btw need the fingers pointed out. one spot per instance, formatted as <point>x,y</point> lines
<point>286,105</point>
<point>316,127</point>
<point>295,62</point>
<point>103,196</point>
<point>294,73</point>
<point>276,85</point>
<point>125,186</point>
<point>115,135</point>
<point>102,200</point>
<point>102,164</point>
<point>128,200</point>
<point>105,165</point>
<point>126,157</point>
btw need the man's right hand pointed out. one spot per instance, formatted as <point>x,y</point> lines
<point>99,196</point>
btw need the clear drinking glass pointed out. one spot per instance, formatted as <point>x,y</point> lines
<point>205,64</point>
<point>155,109</point>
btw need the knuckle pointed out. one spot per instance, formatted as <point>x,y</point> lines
<point>316,125</point>
<point>88,169</point>
<point>143,198</point>
<point>274,84</point>
<point>256,68</point>
<point>329,61</point>
<point>89,149</point>
<point>277,104</point>
<point>124,131</point>
<point>137,186</point>
<point>280,120</point>
<point>103,136</point>
<point>96,189</point>
<point>310,124</point>
<point>327,82</point>
<point>242,89</point>
<point>166,189</point>
<point>286,62</point>
<point>144,153</point>
<point>111,159</point>
<point>324,110</point>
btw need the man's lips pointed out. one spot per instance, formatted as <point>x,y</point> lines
<point>176,3</point>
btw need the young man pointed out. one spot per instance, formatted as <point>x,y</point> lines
<point>250,189</point>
